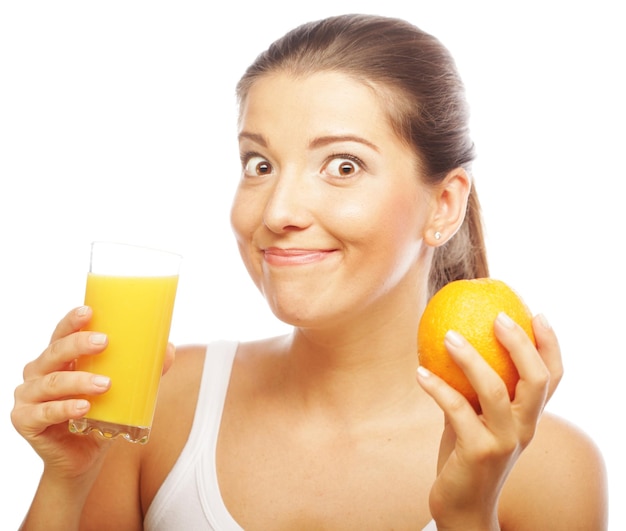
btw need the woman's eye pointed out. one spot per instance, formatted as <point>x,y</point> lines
<point>342,167</point>
<point>257,166</point>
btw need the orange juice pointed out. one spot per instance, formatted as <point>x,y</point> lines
<point>135,313</point>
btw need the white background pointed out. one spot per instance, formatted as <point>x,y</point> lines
<point>117,121</point>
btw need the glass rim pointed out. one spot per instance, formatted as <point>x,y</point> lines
<point>126,259</point>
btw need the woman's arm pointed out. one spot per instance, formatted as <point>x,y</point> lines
<point>44,403</point>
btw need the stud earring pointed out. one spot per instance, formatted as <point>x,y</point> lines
<point>437,235</point>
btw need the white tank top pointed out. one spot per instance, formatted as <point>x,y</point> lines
<point>190,498</point>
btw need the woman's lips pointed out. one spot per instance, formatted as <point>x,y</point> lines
<point>284,257</point>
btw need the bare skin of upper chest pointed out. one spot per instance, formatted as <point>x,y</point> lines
<point>279,468</point>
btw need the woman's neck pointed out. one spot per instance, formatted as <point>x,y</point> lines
<point>354,371</point>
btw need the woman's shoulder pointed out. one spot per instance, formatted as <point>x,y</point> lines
<point>561,444</point>
<point>173,418</point>
<point>559,482</point>
<point>185,370</point>
<point>179,387</point>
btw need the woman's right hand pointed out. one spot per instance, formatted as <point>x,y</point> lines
<point>44,402</point>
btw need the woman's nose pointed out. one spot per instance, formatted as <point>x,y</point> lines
<point>288,206</point>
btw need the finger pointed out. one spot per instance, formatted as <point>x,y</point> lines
<point>493,396</point>
<point>549,350</point>
<point>61,385</point>
<point>62,352</point>
<point>32,420</point>
<point>41,403</point>
<point>72,322</point>
<point>532,387</point>
<point>170,355</point>
<point>458,411</point>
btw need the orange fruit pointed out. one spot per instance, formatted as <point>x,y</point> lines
<point>470,307</point>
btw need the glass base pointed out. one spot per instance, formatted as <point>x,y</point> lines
<point>110,430</point>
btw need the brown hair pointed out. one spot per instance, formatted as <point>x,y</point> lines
<point>418,78</point>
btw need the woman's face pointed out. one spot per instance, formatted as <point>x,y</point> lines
<point>330,212</point>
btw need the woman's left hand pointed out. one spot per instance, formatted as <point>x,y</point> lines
<point>478,451</point>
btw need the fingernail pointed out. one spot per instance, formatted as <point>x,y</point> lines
<point>423,372</point>
<point>101,381</point>
<point>544,321</point>
<point>81,405</point>
<point>505,320</point>
<point>82,311</point>
<point>454,339</point>
<point>97,339</point>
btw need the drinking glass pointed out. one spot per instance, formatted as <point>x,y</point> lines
<point>131,290</point>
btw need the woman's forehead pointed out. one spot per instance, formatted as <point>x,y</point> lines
<point>327,98</point>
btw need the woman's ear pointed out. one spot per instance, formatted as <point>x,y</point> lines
<point>449,204</point>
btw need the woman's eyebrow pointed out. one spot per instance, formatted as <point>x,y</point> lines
<point>322,141</point>
<point>317,142</point>
<point>259,139</point>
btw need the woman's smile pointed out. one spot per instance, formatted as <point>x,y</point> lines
<point>277,256</point>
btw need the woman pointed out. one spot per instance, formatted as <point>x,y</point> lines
<point>355,204</point>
